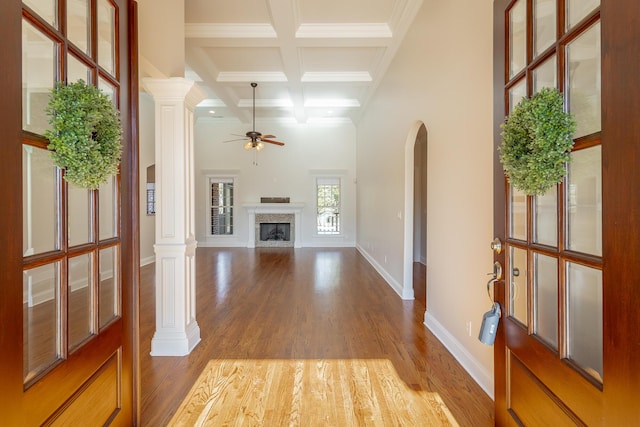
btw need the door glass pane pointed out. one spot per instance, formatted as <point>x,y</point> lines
<point>584,68</point>
<point>79,215</point>
<point>108,89</point>
<point>107,201</point>
<point>579,9</point>
<point>77,70</point>
<point>39,201</point>
<point>78,24</point>
<point>545,287</point>
<point>518,214</point>
<point>106,35</point>
<point>584,201</point>
<point>544,75</point>
<point>41,308</point>
<point>79,299</point>
<point>38,77</point>
<point>546,218</point>
<point>518,297</point>
<point>517,37</point>
<point>516,93</point>
<point>109,285</point>
<point>46,9</point>
<point>585,317</point>
<point>544,25</point>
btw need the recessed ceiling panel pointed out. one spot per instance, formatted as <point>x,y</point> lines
<point>340,11</point>
<point>245,58</point>
<point>226,11</point>
<point>339,59</point>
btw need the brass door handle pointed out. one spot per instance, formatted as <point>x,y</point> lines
<point>496,245</point>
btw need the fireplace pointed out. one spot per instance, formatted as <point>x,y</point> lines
<point>271,217</point>
<point>275,231</point>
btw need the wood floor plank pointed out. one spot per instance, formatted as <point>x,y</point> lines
<point>306,304</point>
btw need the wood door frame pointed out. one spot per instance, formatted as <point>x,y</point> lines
<point>621,207</point>
<point>11,196</point>
<point>499,202</point>
<point>16,406</point>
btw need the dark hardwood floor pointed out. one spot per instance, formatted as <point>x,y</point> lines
<point>305,303</point>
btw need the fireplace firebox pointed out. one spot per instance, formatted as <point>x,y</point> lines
<point>275,232</point>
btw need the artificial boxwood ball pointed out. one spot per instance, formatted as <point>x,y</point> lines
<point>85,135</point>
<point>537,138</point>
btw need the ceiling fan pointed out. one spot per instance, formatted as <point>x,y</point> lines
<point>254,138</point>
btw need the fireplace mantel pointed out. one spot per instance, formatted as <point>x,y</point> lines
<point>275,208</point>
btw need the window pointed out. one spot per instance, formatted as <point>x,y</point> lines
<point>221,196</point>
<point>328,214</point>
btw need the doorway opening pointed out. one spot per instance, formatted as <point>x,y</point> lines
<point>415,222</point>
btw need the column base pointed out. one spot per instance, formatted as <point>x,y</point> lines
<point>172,343</point>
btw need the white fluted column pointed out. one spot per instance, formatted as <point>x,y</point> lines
<point>177,331</point>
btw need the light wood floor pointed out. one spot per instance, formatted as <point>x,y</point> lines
<point>301,304</point>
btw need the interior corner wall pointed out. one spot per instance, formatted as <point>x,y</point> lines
<point>442,76</point>
<point>310,151</point>
<point>147,158</point>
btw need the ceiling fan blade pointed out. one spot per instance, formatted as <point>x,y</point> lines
<point>268,136</point>
<point>233,140</point>
<point>272,142</point>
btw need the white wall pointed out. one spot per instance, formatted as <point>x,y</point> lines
<point>442,76</point>
<point>147,158</point>
<point>289,171</point>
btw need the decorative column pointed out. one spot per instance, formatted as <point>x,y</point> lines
<point>177,331</point>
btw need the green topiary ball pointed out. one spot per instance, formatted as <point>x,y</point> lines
<point>537,138</point>
<point>86,133</point>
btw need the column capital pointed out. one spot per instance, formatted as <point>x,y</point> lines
<point>175,89</point>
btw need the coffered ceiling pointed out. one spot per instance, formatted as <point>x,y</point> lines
<point>313,60</point>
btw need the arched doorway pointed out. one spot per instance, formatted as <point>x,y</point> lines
<point>415,222</point>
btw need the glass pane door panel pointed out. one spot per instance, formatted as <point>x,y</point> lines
<point>544,75</point>
<point>109,285</point>
<point>545,288</point>
<point>78,24</point>
<point>517,214</point>
<point>577,10</point>
<point>80,300</point>
<point>546,218</point>
<point>584,204</point>
<point>107,201</point>
<point>77,70</point>
<point>108,89</point>
<point>544,25</point>
<point>584,75</point>
<point>584,331</point>
<point>46,9</point>
<point>41,309</point>
<point>106,35</point>
<point>79,215</point>
<point>518,296</point>
<point>39,201</point>
<point>517,37</point>
<point>38,77</point>
<point>516,93</point>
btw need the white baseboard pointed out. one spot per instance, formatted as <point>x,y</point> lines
<point>481,376</point>
<point>148,260</point>
<point>397,287</point>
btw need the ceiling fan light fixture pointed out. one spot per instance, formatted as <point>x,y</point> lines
<point>259,145</point>
<point>248,145</point>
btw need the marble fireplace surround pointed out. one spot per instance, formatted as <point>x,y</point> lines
<point>274,212</point>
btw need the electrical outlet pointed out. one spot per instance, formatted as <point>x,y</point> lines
<point>469,327</point>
